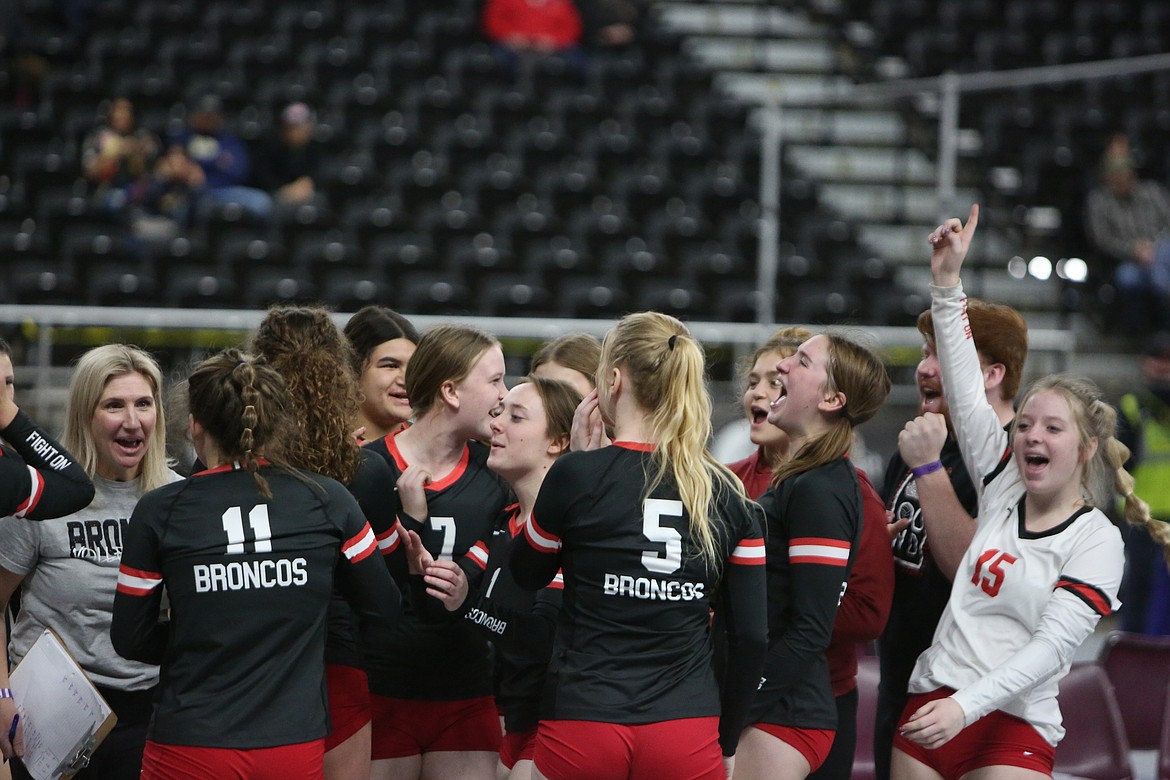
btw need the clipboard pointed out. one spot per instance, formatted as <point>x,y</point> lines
<point>63,716</point>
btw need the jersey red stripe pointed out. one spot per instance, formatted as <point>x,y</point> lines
<point>819,541</point>
<point>1087,593</point>
<point>36,490</point>
<point>146,575</point>
<point>539,539</point>
<point>816,559</point>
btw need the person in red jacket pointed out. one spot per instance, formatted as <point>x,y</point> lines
<point>522,29</point>
<point>861,616</point>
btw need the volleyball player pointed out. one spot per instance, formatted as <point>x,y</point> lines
<point>528,435</point>
<point>650,532</point>
<point>383,342</point>
<point>248,551</point>
<point>38,478</point>
<point>814,514</point>
<point>570,358</point>
<point>866,604</point>
<point>434,715</point>
<point>304,346</point>
<point>1043,567</point>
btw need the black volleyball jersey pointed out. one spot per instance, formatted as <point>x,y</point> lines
<point>373,487</point>
<point>633,642</point>
<point>814,524</point>
<point>518,622</point>
<point>437,655</point>
<point>249,581</point>
<point>38,478</point>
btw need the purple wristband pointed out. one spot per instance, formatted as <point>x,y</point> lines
<point>927,468</point>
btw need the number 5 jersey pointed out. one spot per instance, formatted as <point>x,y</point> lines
<point>633,642</point>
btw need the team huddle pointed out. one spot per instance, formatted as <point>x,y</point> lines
<point>387,564</point>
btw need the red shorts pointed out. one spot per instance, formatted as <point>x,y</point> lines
<point>409,727</point>
<point>685,749</point>
<point>304,761</point>
<point>349,702</point>
<point>813,744</point>
<point>517,746</point>
<point>996,739</point>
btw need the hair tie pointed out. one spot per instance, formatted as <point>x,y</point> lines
<point>672,341</point>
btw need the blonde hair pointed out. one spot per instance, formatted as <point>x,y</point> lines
<point>445,353</point>
<point>665,368</point>
<point>1096,419</point>
<point>858,372</point>
<point>94,371</point>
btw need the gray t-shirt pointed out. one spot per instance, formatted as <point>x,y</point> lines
<point>70,569</point>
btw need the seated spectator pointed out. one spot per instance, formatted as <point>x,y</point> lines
<point>609,23</point>
<point>117,156</point>
<point>1129,221</point>
<point>523,29</point>
<point>288,165</point>
<point>224,159</point>
<point>165,206</point>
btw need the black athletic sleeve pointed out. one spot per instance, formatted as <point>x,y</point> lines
<point>364,580</point>
<point>822,520</point>
<point>745,616</point>
<point>44,481</point>
<point>532,633</point>
<point>373,487</point>
<point>535,562</point>
<point>136,632</point>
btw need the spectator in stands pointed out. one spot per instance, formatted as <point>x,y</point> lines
<point>1144,427</point>
<point>288,165</point>
<point>526,29</point>
<point>224,159</point>
<point>165,206</point>
<point>1129,221</point>
<point>609,23</point>
<point>117,156</point>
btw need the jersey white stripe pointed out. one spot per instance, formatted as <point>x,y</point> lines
<point>819,551</point>
<point>138,583</point>
<point>389,541</point>
<point>540,540</point>
<point>479,554</point>
<point>359,546</point>
<point>754,551</point>
<point>36,489</point>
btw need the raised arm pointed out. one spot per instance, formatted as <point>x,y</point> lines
<point>977,426</point>
<point>45,481</point>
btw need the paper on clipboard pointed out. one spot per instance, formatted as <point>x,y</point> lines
<point>61,713</point>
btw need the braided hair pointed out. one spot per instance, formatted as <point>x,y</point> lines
<point>240,402</point>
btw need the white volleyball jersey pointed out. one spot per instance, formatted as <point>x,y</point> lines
<point>1022,602</point>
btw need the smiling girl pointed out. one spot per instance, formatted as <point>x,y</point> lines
<point>69,566</point>
<point>814,513</point>
<point>1043,568</point>
<point>383,342</point>
<point>433,713</point>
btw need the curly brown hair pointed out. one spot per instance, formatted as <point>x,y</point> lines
<point>305,347</point>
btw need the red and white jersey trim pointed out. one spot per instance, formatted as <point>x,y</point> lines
<point>361,545</point>
<point>749,552</point>
<point>811,549</point>
<point>35,492</point>
<point>136,582</point>
<point>388,541</point>
<point>540,539</point>
<point>558,581</point>
<point>479,554</point>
